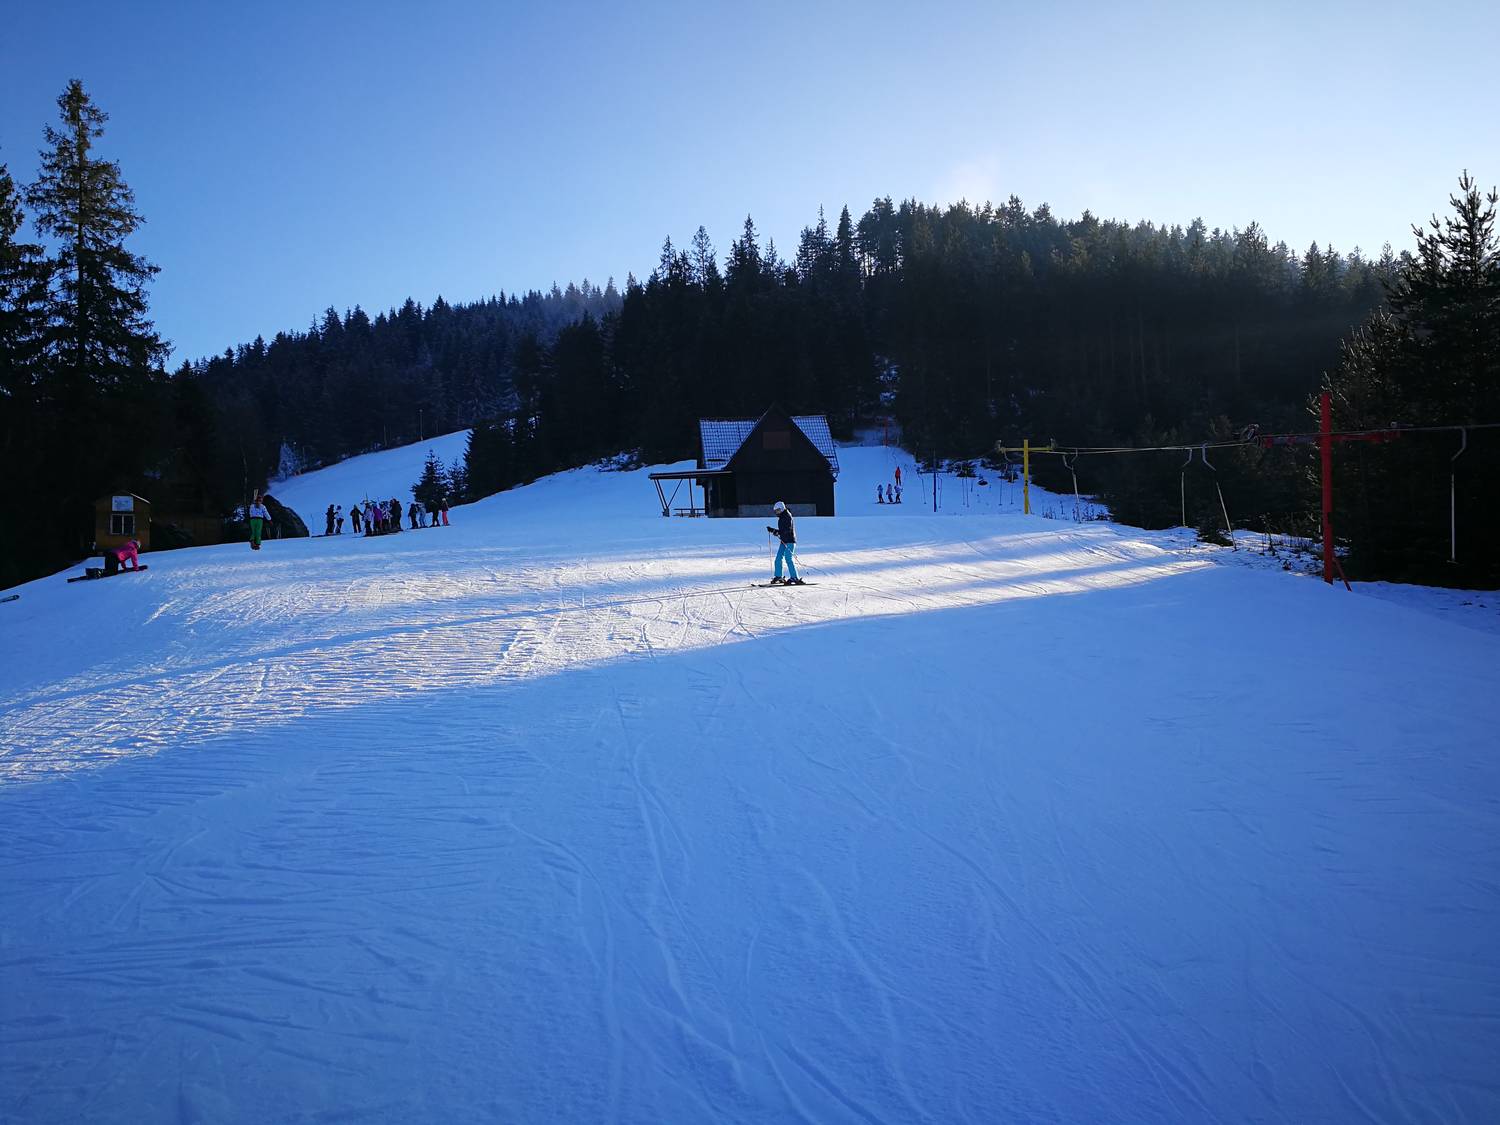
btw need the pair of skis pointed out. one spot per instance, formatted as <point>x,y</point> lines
<point>768,585</point>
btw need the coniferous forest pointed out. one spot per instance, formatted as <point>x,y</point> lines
<point>969,326</point>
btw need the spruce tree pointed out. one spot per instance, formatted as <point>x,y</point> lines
<point>489,462</point>
<point>24,273</point>
<point>430,488</point>
<point>846,261</point>
<point>457,477</point>
<point>23,292</point>
<point>1432,359</point>
<point>705,267</point>
<point>815,252</point>
<point>100,411</point>
<point>1448,300</point>
<point>744,265</point>
<point>100,331</point>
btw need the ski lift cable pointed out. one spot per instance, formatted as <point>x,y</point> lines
<point>1252,437</point>
<point>1260,439</point>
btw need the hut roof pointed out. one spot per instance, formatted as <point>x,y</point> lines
<point>722,438</point>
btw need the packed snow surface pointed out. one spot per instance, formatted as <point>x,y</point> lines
<point>551,816</point>
<point>371,476</point>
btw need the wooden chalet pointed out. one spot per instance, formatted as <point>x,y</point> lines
<point>745,465</point>
<point>122,516</point>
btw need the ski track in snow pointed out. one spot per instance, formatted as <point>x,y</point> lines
<point>287,644</point>
<point>549,816</point>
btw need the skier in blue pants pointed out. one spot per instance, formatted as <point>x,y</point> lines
<point>787,533</point>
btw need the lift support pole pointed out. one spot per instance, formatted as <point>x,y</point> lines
<point>1325,448</point>
<point>1325,439</point>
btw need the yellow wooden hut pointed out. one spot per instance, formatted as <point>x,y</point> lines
<point>122,516</point>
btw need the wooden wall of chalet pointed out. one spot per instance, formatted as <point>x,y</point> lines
<point>120,517</point>
<point>779,462</point>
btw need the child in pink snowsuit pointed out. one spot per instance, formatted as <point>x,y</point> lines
<point>114,556</point>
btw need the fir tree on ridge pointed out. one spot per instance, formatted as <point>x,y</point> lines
<point>99,306</point>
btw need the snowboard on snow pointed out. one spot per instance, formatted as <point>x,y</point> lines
<point>769,585</point>
<point>96,572</point>
<point>10,598</point>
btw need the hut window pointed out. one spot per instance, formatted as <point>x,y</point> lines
<point>776,439</point>
<point>121,523</point>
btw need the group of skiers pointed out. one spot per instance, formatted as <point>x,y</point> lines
<point>891,495</point>
<point>380,517</point>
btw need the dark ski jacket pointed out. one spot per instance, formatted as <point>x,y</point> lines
<point>785,531</point>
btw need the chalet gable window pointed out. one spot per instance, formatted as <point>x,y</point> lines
<point>121,523</point>
<point>776,439</point>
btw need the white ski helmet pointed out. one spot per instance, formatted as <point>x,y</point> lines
<point>778,507</point>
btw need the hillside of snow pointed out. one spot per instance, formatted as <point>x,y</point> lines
<point>371,476</point>
<point>551,816</point>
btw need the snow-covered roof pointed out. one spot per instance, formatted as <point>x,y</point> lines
<point>722,438</point>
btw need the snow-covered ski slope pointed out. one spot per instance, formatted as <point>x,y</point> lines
<point>372,476</point>
<point>549,816</point>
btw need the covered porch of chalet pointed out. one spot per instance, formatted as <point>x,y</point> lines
<point>691,477</point>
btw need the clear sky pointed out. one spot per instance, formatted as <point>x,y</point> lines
<point>292,156</point>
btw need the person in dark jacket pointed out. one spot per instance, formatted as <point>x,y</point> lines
<point>328,530</point>
<point>786,531</point>
<point>354,517</point>
<point>395,514</point>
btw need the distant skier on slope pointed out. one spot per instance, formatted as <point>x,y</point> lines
<point>338,520</point>
<point>259,517</point>
<point>328,529</point>
<point>786,531</point>
<point>354,517</point>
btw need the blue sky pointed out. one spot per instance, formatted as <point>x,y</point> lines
<point>288,157</point>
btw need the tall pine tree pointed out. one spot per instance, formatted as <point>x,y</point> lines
<point>1433,358</point>
<point>23,294</point>
<point>100,330</point>
<point>100,401</point>
<point>24,273</point>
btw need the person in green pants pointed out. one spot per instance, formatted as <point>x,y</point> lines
<point>258,518</point>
